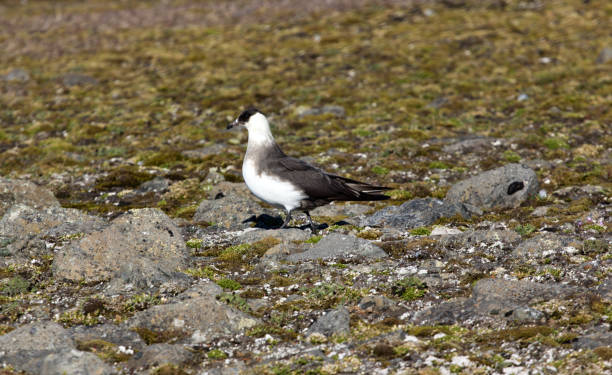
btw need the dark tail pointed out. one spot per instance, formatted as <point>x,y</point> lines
<point>361,191</point>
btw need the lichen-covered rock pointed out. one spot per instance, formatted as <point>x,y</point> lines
<point>141,249</point>
<point>415,213</point>
<point>496,300</point>
<point>343,246</point>
<point>504,187</point>
<point>197,313</point>
<point>332,322</point>
<point>545,245</point>
<point>47,348</point>
<point>283,235</point>
<point>25,192</point>
<point>231,207</point>
<point>72,361</point>
<point>115,334</point>
<point>348,209</point>
<point>501,238</point>
<point>21,220</point>
<point>158,355</point>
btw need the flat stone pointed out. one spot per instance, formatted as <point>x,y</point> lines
<point>336,245</point>
<point>333,322</point>
<point>418,212</point>
<point>284,235</point>
<point>544,245</point>
<point>158,355</point>
<point>504,187</point>
<point>495,300</point>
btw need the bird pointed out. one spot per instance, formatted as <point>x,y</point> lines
<point>289,183</point>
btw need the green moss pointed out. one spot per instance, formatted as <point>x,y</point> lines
<point>194,243</point>
<point>511,156</point>
<point>201,272</point>
<point>125,177</point>
<point>422,231</point>
<point>229,284</point>
<point>555,143</point>
<point>409,289</point>
<point>216,354</point>
<point>140,302</point>
<point>235,300</point>
<point>524,229</point>
<point>150,336</point>
<point>15,286</point>
<point>105,350</point>
<point>314,239</point>
<point>438,165</point>
<point>380,170</point>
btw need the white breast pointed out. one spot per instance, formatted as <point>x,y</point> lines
<point>271,189</point>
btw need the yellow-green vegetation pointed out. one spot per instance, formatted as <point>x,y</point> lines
<point>235,300</point>
<point>140,302</point>
<point>422,231</point>
<point>155,336</point>
<point>105,350</point>
<point>77,317</point>
<point>409,288</point>
<point>216,354</point>
<point>229,284</point>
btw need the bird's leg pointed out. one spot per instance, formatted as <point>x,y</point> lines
<point>287,219</point>
<point>314,230</point>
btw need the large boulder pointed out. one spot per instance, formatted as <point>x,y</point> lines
<point>141,249</point>
<point>504,187</point>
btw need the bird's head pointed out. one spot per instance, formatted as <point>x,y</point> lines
<point>250,118</point>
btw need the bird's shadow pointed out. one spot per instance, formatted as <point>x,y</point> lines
<point>265,221</point>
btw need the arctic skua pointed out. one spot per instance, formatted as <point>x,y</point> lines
<point>289,183</point>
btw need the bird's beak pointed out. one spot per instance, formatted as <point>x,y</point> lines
<point>233,124</point>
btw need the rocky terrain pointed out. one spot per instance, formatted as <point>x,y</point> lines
<point>129,243</point>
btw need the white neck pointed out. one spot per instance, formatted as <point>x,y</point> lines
<point>259,131</point>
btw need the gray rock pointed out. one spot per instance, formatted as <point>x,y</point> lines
<point>37,336</point>
<point>17,75</point>
<point>284,235</point>
<point>115,334</point>
<point>236,368</point>
<point>141,249</point>
<point>544,245</point>
<point>540,211</point>
<point>20,191</point>
<point>505,238</point>
<point>504,187</point>
<point>157,355</point>
<point>478,144</point>
<point>74,362</point>
<point>76,79</point>
<point>22,220</point>
<point>335,110</point>
<point>347,209</point>
<point>415,213</point>
<point>577,192</point>
<point>605,289</point>
<point>380,307</point>
<point>232,209</point>
<point>156,185</point>
<point>605,55</point>
<point>47,348</point>
<point>203,152</point>
<point>195,312</point>
<point>336,245</point>
<point>333,322</point>
<point>594,340</point>
<point>495,300</point>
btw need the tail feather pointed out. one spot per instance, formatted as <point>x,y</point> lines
<point>360,191</point>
